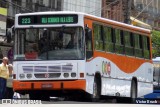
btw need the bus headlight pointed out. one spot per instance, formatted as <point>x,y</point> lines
<point>21,76</point>
<point>66,75</point>
<point>73,74</point>
<point>29,75</point>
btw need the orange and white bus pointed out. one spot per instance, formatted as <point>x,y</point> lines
<point>73,52</point>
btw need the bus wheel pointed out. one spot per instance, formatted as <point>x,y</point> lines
<point>96,91</point>
<point>34,96</point>
<point>133,91</point>
<point>38,96</point>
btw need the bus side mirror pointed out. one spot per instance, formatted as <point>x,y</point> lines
<point>88,33</point>
<point>13,31</point>
<point>9,36</point>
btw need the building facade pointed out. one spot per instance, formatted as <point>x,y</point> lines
<point>93,7</point>
<point>119,10</point>
<point>112,9</point>
<point>148,11</point>
<point>25,6</point>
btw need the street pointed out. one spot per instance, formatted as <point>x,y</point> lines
<point>60,103</point>
<point>56,100</point>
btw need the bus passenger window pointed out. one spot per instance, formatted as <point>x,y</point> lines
<point>98,39</point>
<point>119,47</point>
<point>88,36</point>
<point>108,37</point>
<point>138,48</point>
<point>146,47</point>
<point>128,41</point>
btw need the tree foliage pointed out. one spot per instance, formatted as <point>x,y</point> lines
<point>155,43</point>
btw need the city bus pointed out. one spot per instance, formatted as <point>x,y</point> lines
<point>77,54</point>
<point>156,80</point>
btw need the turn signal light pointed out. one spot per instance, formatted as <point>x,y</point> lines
<point>14,76</point>
<point>81,75</point>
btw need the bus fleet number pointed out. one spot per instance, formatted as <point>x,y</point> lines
<point>26,20</point>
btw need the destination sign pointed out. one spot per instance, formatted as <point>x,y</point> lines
<point>47,19</point>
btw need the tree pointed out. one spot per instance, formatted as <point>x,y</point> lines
<point>155,43</point>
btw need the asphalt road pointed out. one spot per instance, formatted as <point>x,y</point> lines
<point>55,100</point>
<point>80,105</point>
<point>64,101</point>
<point>60,102</point>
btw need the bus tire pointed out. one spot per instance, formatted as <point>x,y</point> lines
<point>96,90</point>
<point>133,91</point>
<point>33,96</point>
<point>39,96</point>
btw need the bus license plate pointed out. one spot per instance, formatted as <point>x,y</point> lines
<point>47,85</point>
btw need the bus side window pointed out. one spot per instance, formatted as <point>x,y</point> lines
<point>138,46</point>
<point>146,47</point>
<point>119,44</point>
<point>128,43</point>
<point>88,35</point>
<point>108,42</point>
<point>98,37</point>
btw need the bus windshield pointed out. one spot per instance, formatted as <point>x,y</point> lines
<point>61,43</point>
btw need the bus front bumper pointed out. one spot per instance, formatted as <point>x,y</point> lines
<point>49,85</point>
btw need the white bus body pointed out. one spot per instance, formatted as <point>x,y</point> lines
<point>60,68</point>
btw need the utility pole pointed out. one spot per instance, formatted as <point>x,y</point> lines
<point>127,10</point>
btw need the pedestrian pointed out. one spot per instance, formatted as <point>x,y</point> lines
<point>9,89</point>
<point>4,74</point>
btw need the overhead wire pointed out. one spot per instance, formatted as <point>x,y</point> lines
<point>11,3</point>
<point>99,10</point>
<point>96,12</point>
<point>143,9</point>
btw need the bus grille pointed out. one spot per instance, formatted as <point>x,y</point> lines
<point>58,68</point>
<point>47,75</point>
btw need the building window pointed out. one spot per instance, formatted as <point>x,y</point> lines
<point>3,3</point>
<point>146,47</point>
<point>139,7</point>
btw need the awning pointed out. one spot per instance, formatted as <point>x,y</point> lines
<point>139,23</point>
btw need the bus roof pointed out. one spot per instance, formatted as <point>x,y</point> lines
<point>84,14</point>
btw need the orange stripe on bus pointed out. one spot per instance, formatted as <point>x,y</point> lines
<point>89,20</point>
<point>125,63</point>
<point>37,85</point>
